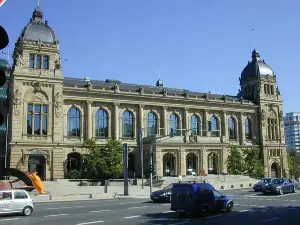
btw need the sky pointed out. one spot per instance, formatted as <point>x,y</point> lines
<point>200,45</point>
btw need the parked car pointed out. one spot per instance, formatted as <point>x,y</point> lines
<point>297,185</point>
<point>262,184</point>
<point>280,186</point>
<point>15,201</point>
<point>199,198</point>
<point>163,195</point>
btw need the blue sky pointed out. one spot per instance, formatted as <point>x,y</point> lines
<point>201,45</point>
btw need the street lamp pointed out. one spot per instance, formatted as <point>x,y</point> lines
<point>142,154</point>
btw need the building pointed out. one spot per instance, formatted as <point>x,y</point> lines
<point>292,128</point>
<point>51,115</point>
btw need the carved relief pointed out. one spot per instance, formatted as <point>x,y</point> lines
<point>36,85</point>
<point>193,137</point>
<point>263,117</point>
<point>57,64</point>
<point>141,90</point>
<point>18,59</point>
<point>89,86</point>
<point>280,115</point>
<point>17,101</point>
<point>164,92</point>
<point>37,97</point>
<point>58,105</point>
<point>117,88</point>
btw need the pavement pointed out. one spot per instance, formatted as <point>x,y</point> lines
<point>250,208</point>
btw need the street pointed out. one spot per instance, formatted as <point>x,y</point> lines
<point>250,208</point>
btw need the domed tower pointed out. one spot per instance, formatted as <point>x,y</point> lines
<point>258,84</point>
<point>36,90</point>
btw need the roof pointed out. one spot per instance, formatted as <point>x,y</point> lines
<point>147,89</point>
<point>201,185</point>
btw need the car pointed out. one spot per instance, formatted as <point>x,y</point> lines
<point>262,184</point>
<point>296,184</point>
<point>199,198</point>
<point>280,186</point>
<point>163,195</point>
<point>14,201</point>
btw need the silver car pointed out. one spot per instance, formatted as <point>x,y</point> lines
<point>15,201</point>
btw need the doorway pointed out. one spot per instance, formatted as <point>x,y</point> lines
<point>37,163</point>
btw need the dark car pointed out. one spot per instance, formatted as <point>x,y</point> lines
<point>280,186</point>
<point>262,184</point>
<point>296,184</point>
<point>163,195</point>
<point>199,198</point>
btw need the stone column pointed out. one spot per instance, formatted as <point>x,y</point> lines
<point>116,120</point>
<point>182,162</point>
<point>165,121</point>
<point>204,124</point>
<point>225,125</point>
<point>89,120</point>
<point>141,119</point>
<point>186,120</point>
<point>204,160</point>
<point>224,159</point>
<point>158,162</point>
<point>241,135</point>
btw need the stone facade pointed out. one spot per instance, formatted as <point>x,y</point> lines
<point>52,115</point>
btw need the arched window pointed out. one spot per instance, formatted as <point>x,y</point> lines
<point>248,131</point>
<point>196,125</point>
<point>151,124</point>
<point>101,125</point>
<point>214,127</point>
<point>174,124</point>
<point>231,128</point>
<point>74,127</point>
<point>127,125</point>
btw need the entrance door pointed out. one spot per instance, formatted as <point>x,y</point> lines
<point>37,163</point>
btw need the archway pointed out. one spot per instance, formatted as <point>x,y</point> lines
<point>191,164</point>
<point>37,163</point>
<point>212,161</point>
<point>275,170</point>
<point>169,165</point>
<point>74,161</point>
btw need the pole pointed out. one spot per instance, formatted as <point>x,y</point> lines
<point>142,156</point>
<point>125,165</point>
<point>6,141</point>
<point>151,166</point>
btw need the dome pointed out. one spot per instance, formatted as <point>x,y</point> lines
<point>256,67</point>
<point>37,30</point>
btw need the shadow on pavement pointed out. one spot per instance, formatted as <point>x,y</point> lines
<point>248,216</point>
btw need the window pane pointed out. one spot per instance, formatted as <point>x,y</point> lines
<point>29,108</point>
<point>46,62</point>
<point>73,122</point>
<point>174,126</point>
<point>37,124</point>
<point>152,124</point>
<point>44,124</point>
<point>127,124</point>
<point>29,124</point>
<point>31,61</point>
<point>39,61</point>
<point>101,124</point>
<point>37,108</point>
<point>45,109</point>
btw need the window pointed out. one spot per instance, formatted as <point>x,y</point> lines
<point>31,61</point>
<point>151,124</point>
<point>214,126</point>
<point>39,61</point>
<point>127,125</point>
<point>20,195</point>
<point>195,125</point>
<point>272,129</point>
<point>217,194</point>
<point>248,131</point>
<point>7,195</point>
<point>174,124</point>
<point>231,128</point>
<point>101,124</point>
<point>37,119</point>
<point>73,117</point>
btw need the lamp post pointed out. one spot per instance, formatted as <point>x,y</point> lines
<point>142,154</point>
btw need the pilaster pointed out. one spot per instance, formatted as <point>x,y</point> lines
<point>88,121</point>
<point>242,129</point>
<point>165,120</point>
<point>204,160</point>
<point>224,123</point>
<point>116,120</point>
<point>182,163</point>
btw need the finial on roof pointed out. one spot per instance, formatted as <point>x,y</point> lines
<point>37,15</point>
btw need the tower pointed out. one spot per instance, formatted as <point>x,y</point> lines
<point>258,84</point>
<point>36,88</point>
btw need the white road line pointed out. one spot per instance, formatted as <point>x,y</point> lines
<point>104,210</point>
<point>90,222</point>
<point>167,204</point>
<point>167,212</point>
<point>183,222</point>
<point>210,217</point>
<point>129,217</point>
<point>124,203</point>
<point>67,207</point>
<point>245,210</point>
<point>138,207</point>
<point>269,220</point>
<point>56,215</point>
<point>9,219</point>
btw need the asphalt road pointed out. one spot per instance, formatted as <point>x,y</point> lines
<point>250,208</point>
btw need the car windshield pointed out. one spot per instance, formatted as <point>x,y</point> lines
<point>278,181</point>
<point>168,187</point>
<point>266,180</point>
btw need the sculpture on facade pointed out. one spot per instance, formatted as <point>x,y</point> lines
<point>164,92</point>
<point>116,88</point>
<point>18,59</point>
<point>17,101</point>
<point>58,104</point>
<point>57,64</point>
<point>186,93</point>
<point>141,90</point>
<point>263,116</point>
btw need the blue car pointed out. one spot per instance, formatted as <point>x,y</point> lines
<point>199,198</point>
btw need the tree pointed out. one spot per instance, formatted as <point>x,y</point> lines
<point>253,164</point>
<point>235,161</point>
<point>104,162</point>
<point>294,164</point>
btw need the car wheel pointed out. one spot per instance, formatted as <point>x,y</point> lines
<point>204,210</point>
<point>281,191</point>
<point>27,211</point>
<point>264,193</point>
<point>229,207</point>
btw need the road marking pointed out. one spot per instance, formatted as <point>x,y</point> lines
<point>168,212</point>
<point>138,207</point>
<point>9,219</point>
<point>167,204</point>
<point>123,203</point>
<point>104,210</point>
<point>56,215</point>
<point>90,222</point>
<point>269,220</point>
<point>129,217</point>
<point>210,217</point>
<point>183,222</point>
<point>245,210</point>
<point>67,207</point>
